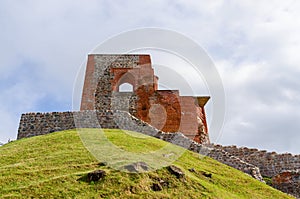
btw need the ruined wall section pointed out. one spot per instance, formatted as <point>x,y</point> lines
<point>217,154</point>
<point>34,124</point>
<point>288,182</point>
<point>89,87</point>
<point>269,163</point>
<point>105,78</point>
<point>193,120</point>
<point>249,161</point>
<point>123,101</point>
<point>99,78</point>
<point>164,109</point>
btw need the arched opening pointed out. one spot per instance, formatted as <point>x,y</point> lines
<point>125,87</point>
<point>123,81</point>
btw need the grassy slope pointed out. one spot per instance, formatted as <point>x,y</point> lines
<point>50,166</point>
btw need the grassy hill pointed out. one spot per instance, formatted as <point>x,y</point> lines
<point>56,166</point>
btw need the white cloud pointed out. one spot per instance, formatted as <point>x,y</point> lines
<point>255,46</point>
<point>17,98</point>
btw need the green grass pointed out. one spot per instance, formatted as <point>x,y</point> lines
<point>54,166</point>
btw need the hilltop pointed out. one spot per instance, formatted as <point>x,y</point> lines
<point>56,166</point>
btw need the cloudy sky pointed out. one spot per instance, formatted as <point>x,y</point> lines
<point>254,45</point>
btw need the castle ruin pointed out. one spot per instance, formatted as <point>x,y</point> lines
<point>166,110</point>
<point>151,111</point>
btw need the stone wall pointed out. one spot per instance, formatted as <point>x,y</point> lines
<point>269,163</point>
<point>123,101</point>
<point>217,154</point>
<point>34,124</point>
<point>98,76</point>
<point>283,169</point>
<point>288,182</point>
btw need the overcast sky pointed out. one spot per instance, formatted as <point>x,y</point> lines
<point>255,46</point>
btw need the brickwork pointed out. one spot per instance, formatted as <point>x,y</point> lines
<point>90,84</point>
<point>165,110</point>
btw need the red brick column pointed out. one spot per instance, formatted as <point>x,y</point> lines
<point>90,84</point>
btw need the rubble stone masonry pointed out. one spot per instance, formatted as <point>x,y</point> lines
<point>34,124</point>
<point>269,163</point>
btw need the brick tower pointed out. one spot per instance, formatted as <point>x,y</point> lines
<point>164,109</point>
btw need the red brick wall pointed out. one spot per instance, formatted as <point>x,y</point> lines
<point>164,109</point>
<point>89,87</point>
<point>189,117</point>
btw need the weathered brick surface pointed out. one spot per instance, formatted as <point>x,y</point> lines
<point>90,83</point>
<point>288,181</point>
<point>165,110</point>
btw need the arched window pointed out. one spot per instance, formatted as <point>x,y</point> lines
<point>125,87</point>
